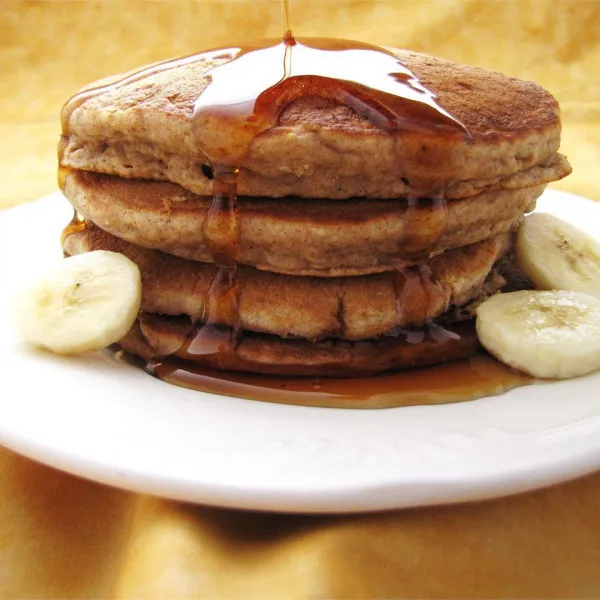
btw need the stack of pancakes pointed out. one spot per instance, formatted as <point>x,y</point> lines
<point>346,262</point>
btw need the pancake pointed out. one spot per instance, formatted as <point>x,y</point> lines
<point>352,308</point>
<point>155,335</point>
<point>320,149</point>
<point>341,248</point>
<point>293,235</point>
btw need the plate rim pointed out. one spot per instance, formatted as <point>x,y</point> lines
<point>359,498</point>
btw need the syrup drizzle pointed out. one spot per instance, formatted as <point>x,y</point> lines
<point>286,8</point>
<point>458,381</point>
<point>228,117</point>
<point>63,170</point>
<point>368,79</point>
<point>220,328</point>
<point>76,225</point>
<point>244,98</point>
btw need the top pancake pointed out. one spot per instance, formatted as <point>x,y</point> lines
<point>319,149</point>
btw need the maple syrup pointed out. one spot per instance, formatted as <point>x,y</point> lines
<point>63,170</point>
<point>368,79</point>
<point>458,381</point>
<point>227,118</point>
<point>76,225</point>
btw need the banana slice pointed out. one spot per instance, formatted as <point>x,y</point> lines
<point>85,303</point>
<point>555,255</point>
<point>552,335</point>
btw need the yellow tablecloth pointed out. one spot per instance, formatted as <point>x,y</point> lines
<point>62,537</point>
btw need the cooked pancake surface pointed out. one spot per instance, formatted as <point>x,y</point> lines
<point>329,206</point>
<point>293,235</point>
<point>311,307</point>
<point>155,335</point>
<point>320,149</point>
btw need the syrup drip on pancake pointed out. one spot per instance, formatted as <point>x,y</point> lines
<point>220,327</point>
<point>419,282</point>
<point>77,224</point>
<point>63,170</point>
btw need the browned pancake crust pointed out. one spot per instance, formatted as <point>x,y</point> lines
<point>155,335</point>
<point>311,307</point>
<point>322,150</point>
<point>292,235</point>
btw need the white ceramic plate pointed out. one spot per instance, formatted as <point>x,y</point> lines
<point>99,418</point>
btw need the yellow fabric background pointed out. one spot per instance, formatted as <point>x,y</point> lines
<point>48,49</point>
<point>61,537</point>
